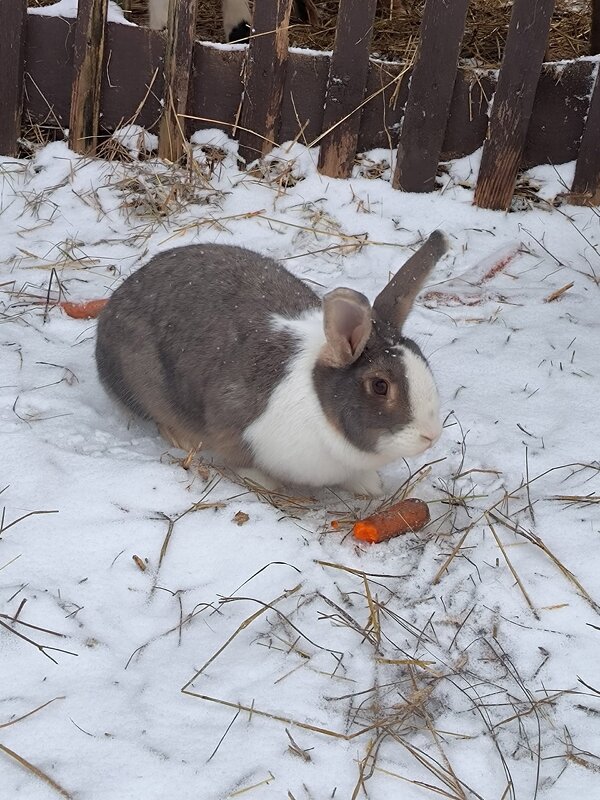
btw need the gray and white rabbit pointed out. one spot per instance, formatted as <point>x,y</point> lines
<point>225,349</point>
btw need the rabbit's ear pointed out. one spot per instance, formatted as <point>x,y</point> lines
<point>394,302</point>
<point>347,324</point>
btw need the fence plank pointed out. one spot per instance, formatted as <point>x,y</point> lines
<point>595,32</point>
<point>586,184</point>
<point>265,76</point>
<point>132,86</point>
<point>87,75</point>
<point>348,74</point>
<point>181,31</point>
<point>431,88</point>
<point>513,102</point>
<point>13,16</point>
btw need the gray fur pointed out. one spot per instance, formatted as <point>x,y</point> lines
<point>186,341</point>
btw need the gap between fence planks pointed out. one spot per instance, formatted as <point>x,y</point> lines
<point>586,184</point>
<point>265,76</point>
<point>13,19</point>
<point>90,29</point>
<point>346,84</point>
<point>431,87</point>
<point>513,102</point>
<point>181,31</point>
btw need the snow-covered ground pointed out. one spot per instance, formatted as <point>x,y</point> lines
<point>449,663</point>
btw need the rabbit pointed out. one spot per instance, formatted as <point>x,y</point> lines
<point>225,349</point>
<point>237,16</point>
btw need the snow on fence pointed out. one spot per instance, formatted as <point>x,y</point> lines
<point>92,76</point>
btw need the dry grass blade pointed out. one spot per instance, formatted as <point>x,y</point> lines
<point>30,713</point>
<point>40,647</point>
<point>251,710</point>
<point>452,555</point>
<point>37,772</point>
<point>512,569</point>
<point>531,537</point>
<point>421,784</point>
<point>4,528</point>
<point>242,626</point>
<point>577,500</point>
<point>265,782</point>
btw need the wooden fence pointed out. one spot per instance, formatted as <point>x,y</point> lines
<point>92,76</point>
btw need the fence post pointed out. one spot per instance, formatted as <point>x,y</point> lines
<point>595,33</point>
<point>87,74</point>
<point>265,75</point>
<point>586,183</point>
<point>13,28</point>
<point>181,32</point>
<point>513,102</point>
<point>346,84</point>
<point>430,95</point>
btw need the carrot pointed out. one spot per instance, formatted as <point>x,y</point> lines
<point>87,310</point>
<point>403,517</point>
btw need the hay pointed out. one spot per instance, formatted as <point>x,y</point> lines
<point>396,31</point>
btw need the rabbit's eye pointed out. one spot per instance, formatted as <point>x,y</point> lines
<point>379,386</point>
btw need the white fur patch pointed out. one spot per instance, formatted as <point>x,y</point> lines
<point>294,441</point>
<point>235,12</point>
<point>159,13</point>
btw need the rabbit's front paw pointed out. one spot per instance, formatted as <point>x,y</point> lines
<point>365,483</point>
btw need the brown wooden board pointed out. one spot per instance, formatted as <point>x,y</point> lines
<point>215,89</point>
<point>132,81</point>
<point>586,183</point>
<point>513,102</point>
<point>132,89</point>
<point>13,16</point>
<point>87,75</point>
<point>387,88</point>
<point>181,30</point>
<point>559,111</point>
<point>346,84</point>
<point>431,88</point>
<point>265,77</point>
<point>468,116</point>
<point>302,110</point>
<point>595,32</point>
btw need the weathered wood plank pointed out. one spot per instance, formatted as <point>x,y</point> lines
<point>132,84</point>
<point>13,16</point>
<point>562,99</point>
<point>431,88</point>
<point>265,76</point>
<point>586,184</point>
<point>181,31</point>
<point>513,102</point>
<point>595,32</point>
<point>87,75</point>
<point>348,73</point>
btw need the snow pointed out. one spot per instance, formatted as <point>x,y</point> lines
<point>68,8</point>
<point>394,657</point>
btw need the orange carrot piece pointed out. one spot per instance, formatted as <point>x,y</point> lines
<point>86,310</point>
<point>403,517</point>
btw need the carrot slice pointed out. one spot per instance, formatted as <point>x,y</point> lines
<point>403,517</point>
<point>87,310</point>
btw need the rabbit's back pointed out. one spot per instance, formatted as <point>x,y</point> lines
<point>188,341</point>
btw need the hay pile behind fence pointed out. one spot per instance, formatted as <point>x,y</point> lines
<point>397,28</point>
